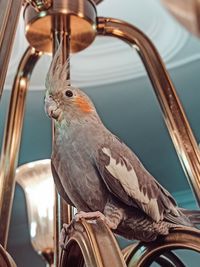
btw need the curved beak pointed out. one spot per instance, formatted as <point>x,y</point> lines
<point>51,108</point>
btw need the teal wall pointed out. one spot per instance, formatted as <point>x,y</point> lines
<point>131,111</point>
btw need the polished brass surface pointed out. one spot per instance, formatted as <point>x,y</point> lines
<point>40,5</point>
<point>179,238</point>
<point>128,250</point>
<point>36,180</point>
<point>168,258</point>
<point>63,211</point>
<point>80,14</point>
<point>9,15</point>
<point>175,118</point>
<point>91,244</point>
<point>187,12</point>
<point>5,259</point>
<point>12,136</point>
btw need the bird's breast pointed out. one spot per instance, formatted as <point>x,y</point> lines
<point>81,181</point>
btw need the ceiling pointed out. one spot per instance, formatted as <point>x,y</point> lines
<point>110,60</point>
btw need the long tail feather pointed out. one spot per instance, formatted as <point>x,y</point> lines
<point>193,215</point>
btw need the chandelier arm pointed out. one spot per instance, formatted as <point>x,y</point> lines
<point>164,261</point>
<point>179,238</point>
<point>173,258</point>
<point>93,244</point>
<point>9,16</point>
<point>12,138</point>
<point>5,259</point>
<point>63,212</point>
<point>174,115</point>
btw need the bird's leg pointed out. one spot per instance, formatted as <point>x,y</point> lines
<point>94,215</point>
<point>112,216</point>
<point>65,232</point>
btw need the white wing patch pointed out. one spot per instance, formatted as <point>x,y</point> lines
<point>129,181</point>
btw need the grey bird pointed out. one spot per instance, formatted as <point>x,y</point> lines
<point>97,173</point>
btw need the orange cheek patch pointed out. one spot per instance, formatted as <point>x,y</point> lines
<point>83,104</point>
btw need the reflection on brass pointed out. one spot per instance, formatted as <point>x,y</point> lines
<point>12,136</point>
<point>187,12</point>
<point>5,259</point>
<point>175,118</point>
<point>9,15</point>
<point>168,258</point>
<point>179,238</point>
<point>92,244</point>
<point>40,5</point>
<point>128,250</point>
<point>80,14</point>
<point>36,180</point>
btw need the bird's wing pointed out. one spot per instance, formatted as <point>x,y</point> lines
<point>131,183</point>
<point>59,186</point>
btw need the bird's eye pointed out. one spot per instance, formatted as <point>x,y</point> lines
<point>69,93</point>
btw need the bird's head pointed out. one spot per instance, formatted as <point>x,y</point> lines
<point>68,103</point>
<point>63,101</point>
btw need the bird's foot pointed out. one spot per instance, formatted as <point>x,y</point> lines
<point>66,229</point>
<point>95,215</point>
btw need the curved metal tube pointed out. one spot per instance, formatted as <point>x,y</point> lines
<point>9,16</point>
<point>164,261</point>
<point>5,259</point>
<point>92,245</point>
<point>128,250</point>
<point>175,118</point>
<point>63,211</point>
<point>179,238</point>
<point>173,258</point>
<point>12,137</point>
<point>167,259</point>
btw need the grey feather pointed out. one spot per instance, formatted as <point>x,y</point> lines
<point>95,171</point>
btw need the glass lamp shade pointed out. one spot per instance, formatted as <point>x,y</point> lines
<point>37,182</point>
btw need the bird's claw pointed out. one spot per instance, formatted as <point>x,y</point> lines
<point>90,216</point>
<point>65,231</point>
<point>94,215</point>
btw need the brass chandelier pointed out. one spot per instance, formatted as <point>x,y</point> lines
<point>77,24</point>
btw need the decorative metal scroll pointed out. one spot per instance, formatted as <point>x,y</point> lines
<point>91,244</point>
<point>143,254</point>
<point>5,259</point>
<point>176,121</point>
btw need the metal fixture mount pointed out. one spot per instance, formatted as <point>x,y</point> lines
<point>39,5</point>
<point>80,15</point>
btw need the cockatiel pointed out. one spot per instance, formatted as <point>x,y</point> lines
<point>97,173</point>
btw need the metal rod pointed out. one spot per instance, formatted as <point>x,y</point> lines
<point>174,258</point>
<point>12,137</point>
<point>63,212</point>
<point>91,245</point>
<point>179,238</point>
<point>9,16</point>
<point>175,118</point>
